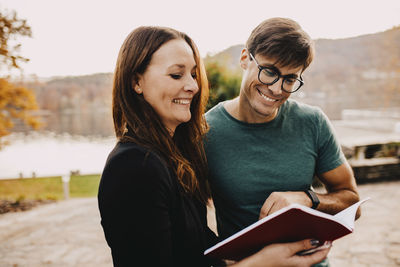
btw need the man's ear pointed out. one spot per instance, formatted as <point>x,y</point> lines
<point>244,59</point>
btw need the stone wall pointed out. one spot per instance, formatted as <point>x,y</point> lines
<point>377,173</point>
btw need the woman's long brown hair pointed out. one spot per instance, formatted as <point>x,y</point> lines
<point>136,121</point>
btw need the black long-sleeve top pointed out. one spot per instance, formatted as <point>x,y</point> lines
<point>147,218</point>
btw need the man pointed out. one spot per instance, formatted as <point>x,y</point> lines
<point>263,149</point>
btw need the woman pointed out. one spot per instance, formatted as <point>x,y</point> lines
<point>153,191</point>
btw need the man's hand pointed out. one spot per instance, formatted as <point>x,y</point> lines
<point>279,200</point>
<point>342,192</point>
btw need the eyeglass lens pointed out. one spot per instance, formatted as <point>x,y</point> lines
<point>269,76</point>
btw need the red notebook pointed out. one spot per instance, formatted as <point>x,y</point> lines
<point>292,223</point>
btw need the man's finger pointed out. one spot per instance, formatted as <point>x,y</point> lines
<point>265,208</point>
<point>275,207</point>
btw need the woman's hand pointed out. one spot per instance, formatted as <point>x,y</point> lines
<point>285,254</point>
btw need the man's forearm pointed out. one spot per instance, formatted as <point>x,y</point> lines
<point>342,190</point>
<point>334,202</point>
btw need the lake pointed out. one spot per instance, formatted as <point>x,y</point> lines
<point>49,154</point>
<point>81,143</point>
<point>67,142</point>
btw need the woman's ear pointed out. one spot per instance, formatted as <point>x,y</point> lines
<point>136,87</point>
<point>244,58</point>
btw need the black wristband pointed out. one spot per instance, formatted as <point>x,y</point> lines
<point>314,199</point>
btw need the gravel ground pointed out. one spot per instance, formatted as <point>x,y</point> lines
<point>68,233</point>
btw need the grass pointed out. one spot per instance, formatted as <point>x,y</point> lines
<point>48,188</point>
<point>84,185</point>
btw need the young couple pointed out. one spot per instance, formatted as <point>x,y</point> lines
<point>254,155</point>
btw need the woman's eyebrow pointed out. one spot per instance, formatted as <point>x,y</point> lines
<point>181,66</point>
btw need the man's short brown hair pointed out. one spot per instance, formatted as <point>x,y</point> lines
<point>283,40</point>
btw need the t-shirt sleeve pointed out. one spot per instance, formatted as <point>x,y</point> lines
<point>330,155</point>
<point>135,197</point>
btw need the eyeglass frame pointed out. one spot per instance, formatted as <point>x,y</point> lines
<point>275,69</point>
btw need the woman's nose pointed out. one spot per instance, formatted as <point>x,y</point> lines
<point>191,85</point>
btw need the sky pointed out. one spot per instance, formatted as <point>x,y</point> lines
<point>80,37</point>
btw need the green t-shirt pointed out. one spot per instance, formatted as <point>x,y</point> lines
<point>247,162</point>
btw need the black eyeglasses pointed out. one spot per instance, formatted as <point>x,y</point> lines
<point>270,75</point>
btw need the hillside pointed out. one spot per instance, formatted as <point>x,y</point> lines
<point>79,105</point>
<point>74,93</point>
<point>351,73</point>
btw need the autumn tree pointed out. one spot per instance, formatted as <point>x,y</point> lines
<point>16,102</point>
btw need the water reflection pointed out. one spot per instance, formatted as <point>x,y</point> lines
<point>96,123</point>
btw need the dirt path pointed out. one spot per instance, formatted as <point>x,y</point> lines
<point>68,233</point>
<point>376,239</point>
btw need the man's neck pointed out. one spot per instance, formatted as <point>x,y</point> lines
<point>236,109</point>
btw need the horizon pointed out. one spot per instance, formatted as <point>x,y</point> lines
<point>72,38</point>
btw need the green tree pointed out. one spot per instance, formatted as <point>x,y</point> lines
<point>16,102</point>
<point>224,84</point>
